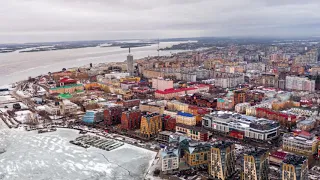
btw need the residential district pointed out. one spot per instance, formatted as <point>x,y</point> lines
<point>233,112</point>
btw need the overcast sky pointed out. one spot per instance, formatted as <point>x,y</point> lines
<point>59,20</point>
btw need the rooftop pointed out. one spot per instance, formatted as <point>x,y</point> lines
<point>294,159</point>
<point>67,86</point>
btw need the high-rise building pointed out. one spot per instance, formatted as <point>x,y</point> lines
<point>130,64</point>
<point>256,165</point>
<point>222,160</point>
<point>294,167</point>
<point>151,125</point>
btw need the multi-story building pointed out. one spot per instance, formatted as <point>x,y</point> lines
<point>177,106</point>
<point>151,125</point>
<point>93,117</point>
<point>68,107</point>
<point>222,160</point>
<point>241,126</point>
<point>239,96</point>
<point>164,137</point>
<point>256,165</point>
<point>71,88</point>
<point>241,107</point>
<point>196,154</point>
<point>168,123</point>
<point>153,107</point>
<point>300,83</point>
<point>186,118</point>
<point>170,159</point>
<point>193,132</point>
<point>294,168</point>
<point>307,124</point>
<point>226,103</point>
<point>112,115</point>
<point>287,120</point>
<point>302,143</point>
<point>130,120</point>
<point>162,84</point>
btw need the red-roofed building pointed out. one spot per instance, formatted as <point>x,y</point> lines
<point>287,120</point>
<point>277,157</point>
<point>66,80</point>
<point>172,93</point>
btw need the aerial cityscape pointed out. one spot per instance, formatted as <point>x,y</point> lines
<point>217,105</point>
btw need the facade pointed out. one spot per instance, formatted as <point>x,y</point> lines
<point>294,168</point>
<point>239,96</point>
<point>241,126</point>
<point>92,117</point>
<point>222,161</point>
<point>307,124</point>
<point>241,107</point>
<point>226,103</point>
<point>112,115</point>
<point>71,88</point>
<point>173,93</point>
<point>303,143</point>
<point>130,64</point>
<point>193,132</point>
<point>68,107</point>
<point>151,125</point>
<point>286,120</point>
<point>170,160</point>
<point>164,137</point>
<point>169,123</point>
<point>130,120</point>
<point>162,84</point>
<point>197,154</point>
<point>186,118</point>
<point>256,165</point>
<point>300,83</point>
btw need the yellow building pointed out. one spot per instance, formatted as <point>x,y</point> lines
<point>256,165</point>
<point>197,154</point>
<point>186,118</point>
<point>177,106</point>
<point>66,89</point>
<point>151,125</point>
<point>294,168</point>
<point>304,143</point>
<point>222,161</point>
<point>130,79</point>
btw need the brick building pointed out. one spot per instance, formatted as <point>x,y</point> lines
<point>130,120</point>
<point>112,115</point>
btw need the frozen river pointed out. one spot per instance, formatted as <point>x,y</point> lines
<point>17,66</point>
<point>50,156</point>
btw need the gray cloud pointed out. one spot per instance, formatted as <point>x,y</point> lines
<point>56,20</point>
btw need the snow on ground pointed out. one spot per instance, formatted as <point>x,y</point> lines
<point>6,98</point>
<point>23,116</point>
<point>50,156</point>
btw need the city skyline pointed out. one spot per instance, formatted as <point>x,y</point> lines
<point>48,21</point>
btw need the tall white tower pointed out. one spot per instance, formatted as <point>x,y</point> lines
<point>130,63</point>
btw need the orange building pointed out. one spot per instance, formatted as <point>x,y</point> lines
<point>151,125</point>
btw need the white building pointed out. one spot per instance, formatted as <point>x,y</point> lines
<point>241,126</point>
<point>300,83</point>
<point>242,107</point>
<point>170,159</point>
<point>162,84</point>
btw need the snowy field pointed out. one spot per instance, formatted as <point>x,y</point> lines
<point>50,156</point>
